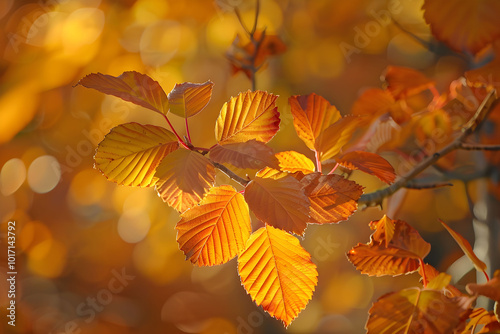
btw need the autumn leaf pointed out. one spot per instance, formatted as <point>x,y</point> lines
<point>130,86</point>
<point>250,115</point>
<point>292,161</point>
<point>431,273</point>
<point>279,201</point>
<point>487,75</point>
<point>277,273</point>
<point>413,311</point>
<point>369,163</point>
<point>332,139</point>
<point>466,248</point>
<point>478,318</point>
<point>384,230</point>
<point>333,198</point>
<point>312,114</point>
<point>252,154</point>
<point>490,289</point>
<point>403,82</point>
<point>130,153</point>
<point>217,229</point>
<point>373,101</point>
<point>471,26</point>
<point>184,177</point>
<point>188,99</point>
<point>401,255</point>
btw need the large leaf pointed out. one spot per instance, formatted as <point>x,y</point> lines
<point>333,198</point>
<point>414,311</point>
<point>184,177</point>
<point>278,200</point>
<point>466,247</point>
<point>215,231</point>
<point>188,99</point>
<point>369,163</point>
<point>332,139</point>
<point>130,153</point>
<point>466,26</point>
<point>277,273</point>
<point>130,86</point>
<point>250,115</point>
<point>251,154</point>
<point>311,115</point>
<point>401,255</point>
<point>291,161</point>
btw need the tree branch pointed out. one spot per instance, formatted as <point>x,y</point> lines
<point>479,147</point>
<point>375,198</point>
<point>230,173</point>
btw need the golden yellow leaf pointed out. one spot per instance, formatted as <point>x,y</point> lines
<point>252,154</point>
<point>277,273</point>
<point>250,115</point>
<point>130,153</point>
<point>384,229</point>
<point>332,139</point>
<point>278,200</point>
<point>311,115</point>
<point>215,231</point>
<point>291,161</point>
<point>188,99</point>
<point>184,177</point>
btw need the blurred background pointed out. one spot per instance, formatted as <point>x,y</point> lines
<point>94,257</point>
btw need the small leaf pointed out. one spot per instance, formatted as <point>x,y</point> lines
<point>332,139</point>
<point>312,114</point>
<point>402,255</point>
<point>414,311</point>
<point>466,248</point>
<point>332,197</point>
<point>215,231</point>
<point>403,82</point>
<point>251,154</point>
<point>369,163</point>
<point>130,86</point>
<point>384,230</point>
<point>277,273</point>
<point>184,177</point>
<point>291,161</point>
<point>250,115</point>
<point>130,153</point>
<point>278,200</point>
<point>188,99</point>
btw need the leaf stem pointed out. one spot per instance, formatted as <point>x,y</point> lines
<point>187,131</point>
<point>486,275</point>
<point>182,142</point>
<point>424,277</point>
<point>318,162</point>
<point>334,168</point>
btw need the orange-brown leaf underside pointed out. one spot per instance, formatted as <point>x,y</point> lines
<point>252,154</point>
<point>369,163</point>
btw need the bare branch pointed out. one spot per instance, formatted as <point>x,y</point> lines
<point>479,147</point>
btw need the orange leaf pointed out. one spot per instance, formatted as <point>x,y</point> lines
<point>291,161</point>
<point>403,82</point>
<point>130,86</point>
<point>414,311</point>
<point>184,177</point>
<point>277,273</point>
<point>333,198</point>
<point>384,230</point>
<point>130,153</point>
<point>490,289</point>
<point>251,154</point>
<point>370,163</point>
<point>465,26</point>
<point>402,255</point>
<point>188,99</point>
<point>489,74</point>
<point>215,231</point>
<point>250,115</point>
<point>332,139</point>
<point>278,200</point>
<point>478,317</point>
<point>374,101</point>
<point>431,273</point>
<point>466,248</point>
<point>312,114</point>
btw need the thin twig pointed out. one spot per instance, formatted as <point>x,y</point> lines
<point>479,147</point>
<point>230,173</point>
<point>257,11</point>
<point>182,142</point>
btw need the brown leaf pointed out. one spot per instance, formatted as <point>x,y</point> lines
<point>369,163</point>
<point>252,154</point>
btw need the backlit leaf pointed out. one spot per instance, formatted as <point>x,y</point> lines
<point>333,198</point>
<point>370,163</point>
<point>403,82</point>
<point>250,115</point>
<point>188,99</point>
<point>130,153</point>
<point>465,26</point>
<point>277,273</point>
<point>215,231</point>
<point>402,254</point>
<point>184,177</point>
<point>291,161</point>
<point>414,311</point>
<point>466,248</point>
<point>373,101</point>
<point>441,281</point>
<point>478,318</point>
<point>251,154</point>
<point>332,139</point>
<point>311,115</point>
<point>384,229</point>
<point>130,86</point>
<point>431,273</point>
<point>490,289</point>
<point>278,201</point>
